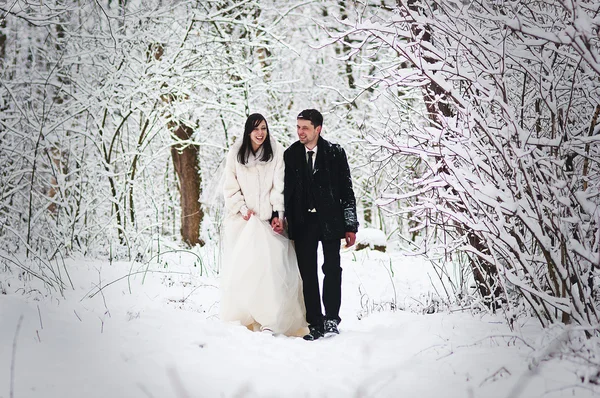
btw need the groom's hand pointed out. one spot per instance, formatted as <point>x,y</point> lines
<point>277,225</point>
<point>350,238</point>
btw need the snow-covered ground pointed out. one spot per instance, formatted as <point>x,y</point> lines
<point>157,334</point>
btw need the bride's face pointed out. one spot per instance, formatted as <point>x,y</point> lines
<point>258,135</point>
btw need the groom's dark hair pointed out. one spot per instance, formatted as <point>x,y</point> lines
<point>253,121</point>
<point>313,115</point>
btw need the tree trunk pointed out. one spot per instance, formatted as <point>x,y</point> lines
<point>185,160</point>
<point>346,48</point>
<point>2,42</point>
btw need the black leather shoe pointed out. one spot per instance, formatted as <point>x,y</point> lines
<point>331,327</point>
<point>314,333</point>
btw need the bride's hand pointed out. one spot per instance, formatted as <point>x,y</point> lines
<point>248,215</point>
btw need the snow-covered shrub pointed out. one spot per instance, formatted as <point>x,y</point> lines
<point>508,143</point>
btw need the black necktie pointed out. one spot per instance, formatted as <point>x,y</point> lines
<point>309,189</point>
<point>310,163</point>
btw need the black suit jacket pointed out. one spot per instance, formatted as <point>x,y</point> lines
<point>334,197</point>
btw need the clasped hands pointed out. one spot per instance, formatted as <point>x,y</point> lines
<point>276,223</point>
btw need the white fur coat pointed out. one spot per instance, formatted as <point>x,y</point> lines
<point>257,185</point>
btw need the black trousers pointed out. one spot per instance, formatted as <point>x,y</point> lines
<point>306,252</point>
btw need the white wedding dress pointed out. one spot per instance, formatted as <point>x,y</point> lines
<point>260,282</point>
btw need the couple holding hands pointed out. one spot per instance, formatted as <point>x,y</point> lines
<point>270,280</point>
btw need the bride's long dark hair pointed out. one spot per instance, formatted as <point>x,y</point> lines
<point>251,123</point>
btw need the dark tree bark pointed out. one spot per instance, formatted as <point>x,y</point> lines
<point>185,160</point>
<point>2,42</point>
<point>346,47</point>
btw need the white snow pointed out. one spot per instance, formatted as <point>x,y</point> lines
<point>371,237</point>
<point>163,338</point>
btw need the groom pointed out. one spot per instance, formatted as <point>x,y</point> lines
<point>319,207</point>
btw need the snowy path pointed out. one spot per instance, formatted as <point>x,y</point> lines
<point>150,343</point>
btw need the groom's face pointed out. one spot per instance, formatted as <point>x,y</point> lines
<point>307,133</point>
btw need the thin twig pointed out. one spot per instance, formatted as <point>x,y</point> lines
<point>196,288</point>
<point>40,315</point>
<point>512,336</point>
<point>14,354</point>
<point>100,288</point>
<point>500,372</point>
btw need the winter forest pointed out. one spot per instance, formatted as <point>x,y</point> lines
<point>472,129</point>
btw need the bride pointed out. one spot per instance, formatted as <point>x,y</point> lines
<point>260,283</point>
